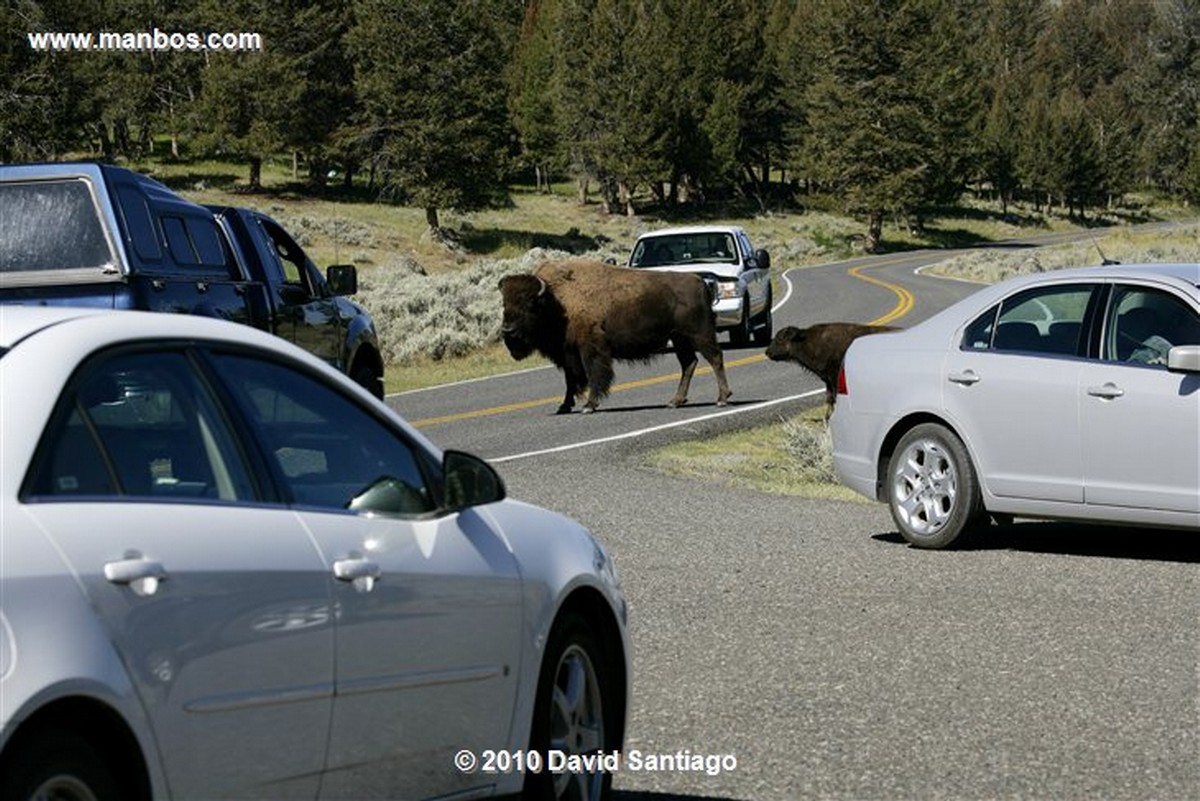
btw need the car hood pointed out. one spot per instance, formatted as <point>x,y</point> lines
<point>720,269</point>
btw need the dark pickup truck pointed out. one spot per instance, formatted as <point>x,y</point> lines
<point>84,234</point>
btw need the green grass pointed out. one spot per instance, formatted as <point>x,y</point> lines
<point>758,458</point>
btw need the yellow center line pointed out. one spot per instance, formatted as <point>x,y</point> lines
<point>902,307</point>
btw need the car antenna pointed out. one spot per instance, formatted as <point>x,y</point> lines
<point>1104,260</point>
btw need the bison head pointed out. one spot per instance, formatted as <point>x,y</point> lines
<point>526,307</point>
<point>786,344</point>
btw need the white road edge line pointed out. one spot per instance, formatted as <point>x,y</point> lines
<point>644,431</point>
<point>470,381</point>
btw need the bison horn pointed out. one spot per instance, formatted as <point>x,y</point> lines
<point>541,291</point>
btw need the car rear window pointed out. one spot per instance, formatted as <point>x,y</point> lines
<point>50,226</point>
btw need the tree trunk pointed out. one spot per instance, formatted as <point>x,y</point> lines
<point>255,172</point>
<point>874,232</point>
<point>431,219</point>
<point>626,197</point>
<point>318,170</point>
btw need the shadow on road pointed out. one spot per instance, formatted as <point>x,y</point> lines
<point>642,796</point>
<point>1080,539</point>
<point>660,406</point>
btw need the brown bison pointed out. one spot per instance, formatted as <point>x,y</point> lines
<point>582,315</point>
<point>820,348</point>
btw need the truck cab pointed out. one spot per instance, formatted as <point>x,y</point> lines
<point>90,234</point>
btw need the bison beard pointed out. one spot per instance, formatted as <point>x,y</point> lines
<point>582,315</point>
<point>820,348</point>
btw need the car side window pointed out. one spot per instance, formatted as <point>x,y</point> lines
<point>1048,320</point>
<point>1143,324</point>
<point>327,450</point>
<point>291,258</point>
<point>139,425</point>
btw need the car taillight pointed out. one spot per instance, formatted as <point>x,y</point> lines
<point>842,388</point>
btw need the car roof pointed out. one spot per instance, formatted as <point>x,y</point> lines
<point>18,322</point>
<point>694,229</point>
<point>1185,273</point>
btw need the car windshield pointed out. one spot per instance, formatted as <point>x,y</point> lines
<point>707,247</point>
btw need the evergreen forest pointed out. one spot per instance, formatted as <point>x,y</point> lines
<point>884,109</point>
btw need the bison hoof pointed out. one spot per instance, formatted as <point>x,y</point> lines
<point>675,403</point>
<point>564,409</point>
<point>589,409</point>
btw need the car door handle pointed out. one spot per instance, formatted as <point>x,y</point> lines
<point>1108,391</point>
<point>355,568</point>
<point>966,378</point>
<point>140,574</point>
<point>129,570</point>
<point>361,573</point>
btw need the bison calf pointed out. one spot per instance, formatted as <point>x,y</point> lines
<point>820,348</point>
<point>582,315</point>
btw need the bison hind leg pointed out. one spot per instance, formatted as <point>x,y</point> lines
<point>716,360</point>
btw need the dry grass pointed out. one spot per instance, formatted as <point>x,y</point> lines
<point>790,457</point>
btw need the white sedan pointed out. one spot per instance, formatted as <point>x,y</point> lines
<point>1073,394</point>
<point>228,571</point>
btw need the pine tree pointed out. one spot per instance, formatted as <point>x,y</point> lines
<point>871,139</point>
<point>430,76</point>
<point>531,100</point>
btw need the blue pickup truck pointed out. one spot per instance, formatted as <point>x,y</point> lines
<point>85,234</point>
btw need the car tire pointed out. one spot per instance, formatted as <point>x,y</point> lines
<point>365,376</point>
<point>931,487</point>
<point>740,335</point>
<point>58,765</point>
<point>574,665</point>
<point>764,329</point>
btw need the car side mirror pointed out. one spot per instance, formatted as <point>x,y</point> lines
<point>763,258</point>
<point>1184,359</point>
<point>469,481</point>
<point>342,279</point>
<point>293,294</point>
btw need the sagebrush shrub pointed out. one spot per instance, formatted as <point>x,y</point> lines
<point>810,445</point>
<point>439,316</point>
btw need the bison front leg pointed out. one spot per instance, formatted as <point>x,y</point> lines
<point>597,365</point>
<point>572,367</point>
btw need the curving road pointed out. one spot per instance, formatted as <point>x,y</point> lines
<point>512,416</point>
<point>805,640</point>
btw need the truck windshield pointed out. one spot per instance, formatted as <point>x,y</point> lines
<point>50,225</point>
<point>701,248</point>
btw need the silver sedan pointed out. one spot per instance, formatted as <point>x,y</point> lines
<point>1073,394</point>
<point>228,571</point>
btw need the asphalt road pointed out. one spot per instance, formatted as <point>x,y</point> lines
<point>513,416</point>
<point>807,642</point>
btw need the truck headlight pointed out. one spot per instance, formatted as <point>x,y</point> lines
<point>728,290</point>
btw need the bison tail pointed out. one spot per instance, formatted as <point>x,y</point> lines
<point>711,287</point>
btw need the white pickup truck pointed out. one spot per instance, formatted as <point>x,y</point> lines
<point>723,255</point>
